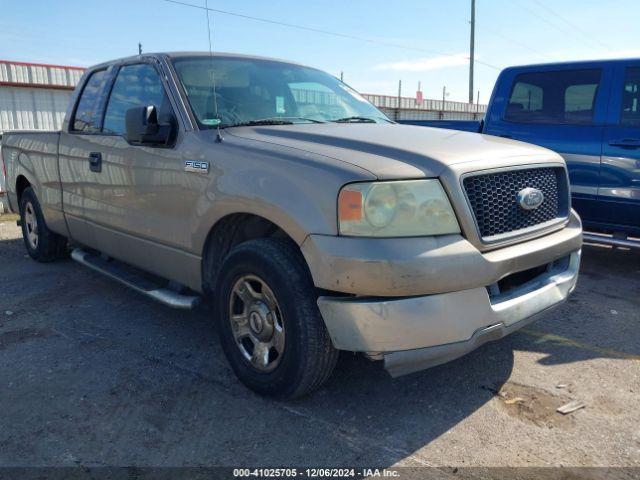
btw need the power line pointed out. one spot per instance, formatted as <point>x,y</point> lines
<point>482,62</point>
<point>514,41</point>
<point>324,32</point>
<point>547,21</point>
<point>572,25</point>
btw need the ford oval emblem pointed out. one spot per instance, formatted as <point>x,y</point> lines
<point>530,198</point>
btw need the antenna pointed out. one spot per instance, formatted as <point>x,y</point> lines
<point>213,75</point>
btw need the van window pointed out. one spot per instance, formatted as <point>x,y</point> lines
<point>135,86</point>
<point>86,115</point>
<point>630,114</point>
<point>559,97</point>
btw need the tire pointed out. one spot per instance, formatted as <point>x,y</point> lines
<point>301,356</point>
<point>42,244</point>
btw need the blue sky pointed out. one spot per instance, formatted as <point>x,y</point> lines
<point>432,36</point>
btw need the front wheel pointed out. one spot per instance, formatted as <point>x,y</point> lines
<point>42,244</point>
<point>269,323</point>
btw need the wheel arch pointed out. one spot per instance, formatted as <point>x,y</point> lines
<point>229,231</point>
<point>22,183</point>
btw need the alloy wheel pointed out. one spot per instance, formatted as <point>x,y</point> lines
<point>31,225</point>
<point>256,323</point>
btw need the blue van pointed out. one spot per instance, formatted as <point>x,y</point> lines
<point>589,112</point>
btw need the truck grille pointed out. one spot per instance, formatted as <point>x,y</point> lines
<point>493,199</point>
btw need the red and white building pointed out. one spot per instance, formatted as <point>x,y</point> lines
<point>34,95</point>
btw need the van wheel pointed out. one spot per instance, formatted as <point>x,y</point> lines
<point>42,244</point>
<point>268,320</point>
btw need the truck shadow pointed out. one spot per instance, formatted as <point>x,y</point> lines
<point>388,420</point>
<point>599,321</point>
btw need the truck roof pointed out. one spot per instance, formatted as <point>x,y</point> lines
<point>189,54</point>
<point>574,63</point>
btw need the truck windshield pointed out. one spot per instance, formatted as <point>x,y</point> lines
<point>264,92</point>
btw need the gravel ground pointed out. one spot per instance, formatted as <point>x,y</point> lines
<point>93,374</point>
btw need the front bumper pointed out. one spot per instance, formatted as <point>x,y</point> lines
<point>418,266</point>
<point>414,333</point>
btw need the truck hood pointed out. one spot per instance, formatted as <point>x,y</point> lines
<point>391,151</point>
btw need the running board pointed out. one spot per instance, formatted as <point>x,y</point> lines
<point>135,279</point>
<point>610,240</point>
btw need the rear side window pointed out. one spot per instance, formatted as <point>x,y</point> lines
<point>560,97</point>
<point>630,114</point>
<point>87,114</point>
<point>135,86</point>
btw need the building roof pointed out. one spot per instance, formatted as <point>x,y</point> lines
<point>39,75</point>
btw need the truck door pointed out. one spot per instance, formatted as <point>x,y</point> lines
<point>619,188</point>
<point>147,199</point>
<point>564,110</point>
<point>132,202</point>
<point>79,140</point>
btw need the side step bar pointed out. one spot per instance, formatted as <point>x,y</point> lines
<point>135,279</point>
<point>610,240</point>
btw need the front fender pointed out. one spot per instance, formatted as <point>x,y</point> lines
<point>295,190</point>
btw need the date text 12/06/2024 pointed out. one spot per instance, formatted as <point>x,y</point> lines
<point>315,473</point>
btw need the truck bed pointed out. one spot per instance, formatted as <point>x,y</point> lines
<point>34,155</point>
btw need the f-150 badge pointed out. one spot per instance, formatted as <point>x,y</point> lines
<point>196,167</point>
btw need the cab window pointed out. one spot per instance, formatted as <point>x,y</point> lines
<point>630,111</point>
<point>86,117</point>
<point>135,86</point>
<point>557,97</point>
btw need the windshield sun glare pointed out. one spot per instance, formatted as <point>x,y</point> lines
<point>265,92</point>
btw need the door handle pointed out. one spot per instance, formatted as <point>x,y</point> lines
<point>95,162</point>
<point>626,143</point>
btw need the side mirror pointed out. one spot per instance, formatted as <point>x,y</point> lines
<point>142,127</point>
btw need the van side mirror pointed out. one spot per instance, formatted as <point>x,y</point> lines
<point>142,127</point>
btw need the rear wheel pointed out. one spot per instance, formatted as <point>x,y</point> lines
<point>42,244</point>
<point>269,323</point>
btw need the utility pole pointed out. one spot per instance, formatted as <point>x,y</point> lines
<point>478,101</point>
<point>399,99</point>
<point>471,48</point>
<point>444,94</point>
<point>139,48</point>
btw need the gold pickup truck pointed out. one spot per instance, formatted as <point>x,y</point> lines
<point>310,221</point>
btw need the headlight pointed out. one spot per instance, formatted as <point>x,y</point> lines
<point>407,208</point>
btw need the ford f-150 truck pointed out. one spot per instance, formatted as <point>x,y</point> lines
<point>589,112</point>
<point>311,221</point>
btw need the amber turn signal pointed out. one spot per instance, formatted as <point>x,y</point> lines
<point>350,205</point>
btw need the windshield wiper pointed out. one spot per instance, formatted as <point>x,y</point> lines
<point>255,123</point>
<point>357,119</point>
<point>312,120</point>
<point>270,121</point>
<point>354,119</point>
